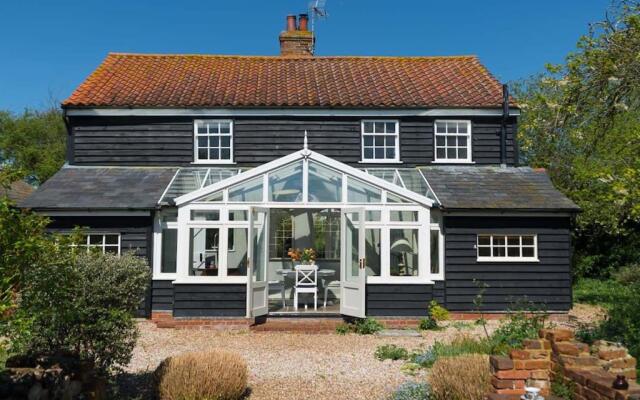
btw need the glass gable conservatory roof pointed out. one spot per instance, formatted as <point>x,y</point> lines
<point>188,180</point>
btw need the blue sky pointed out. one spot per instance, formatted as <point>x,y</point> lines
<point>49,47</point>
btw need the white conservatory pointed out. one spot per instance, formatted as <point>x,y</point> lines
<point>365,226</point>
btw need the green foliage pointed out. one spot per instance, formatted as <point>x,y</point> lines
<point>412,391</point>
<point>562,389</point>
<point>84,307</point>
<point>343,329</point>
<point>622,324</point>
<point>34,141</point>
<point>605,293</point>
<point>362,326</point>
<point>437,312</point>
<point>24,244</point>
<point>461,345</point>
<point>428,324</point>
<point>391,352</point>
<point>523,323</point>
<point>367,326</point>
<point>628,275</point>
<point>581,121</point>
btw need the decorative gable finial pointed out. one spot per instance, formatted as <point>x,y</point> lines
<point>305,149</point>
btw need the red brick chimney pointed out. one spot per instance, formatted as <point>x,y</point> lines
<point>297,41</point>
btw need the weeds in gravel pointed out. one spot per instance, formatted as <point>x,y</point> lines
<point>412,391</point>
<point>365,326</point>
<point>428,324</point>
<point>437,312</point>
<point>391,352</point>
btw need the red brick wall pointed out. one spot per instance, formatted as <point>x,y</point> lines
<point>590,370</point>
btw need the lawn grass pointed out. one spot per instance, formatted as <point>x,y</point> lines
<point>603,293</point>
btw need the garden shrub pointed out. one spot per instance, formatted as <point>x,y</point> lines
<point>363,326</point>
<point>84,307</point>
<point>520,325</point>
<point>628,275</point>
<point>460,345</point>
<point>437,312</point>
<point>412,391</point>
<point>622,324</point>
<point>391,352</point>
<point>428,324</point>
<point>367,326</point>
<point>212,375</point>
<point>460,378</point>
<point>562,389</point>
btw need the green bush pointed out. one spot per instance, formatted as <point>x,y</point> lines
<point>561,389</point>
<point>428,324</point>
<point>599,292</point>
<point>437,312</point>
<point>343,329</point>
<point>85,307</point>
<point>412,391</point>
<point>363,326</point>
<point>391,352</point>
<point>623,324</point>
<point>520,325</point>
<point>629,275</point>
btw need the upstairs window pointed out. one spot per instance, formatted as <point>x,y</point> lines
<point>213,141</point>
<point>453,141</point>
<point>507,248</point>
<point>380,141</point>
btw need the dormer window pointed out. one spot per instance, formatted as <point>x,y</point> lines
<point>380,141</point>
<point>213,141</point>
<point>453,141</point>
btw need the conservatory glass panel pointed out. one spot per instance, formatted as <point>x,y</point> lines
<point>372,251</point>
<point>250,191</point>
<point>360,192</point>
<point>392,198</point>
<point>325,184</point>
<point>285,184</point>
<point>213,198</point>
<point>237,251</point>
<point>404,252</point>
<point>388,174</point>
<point>203,251</point>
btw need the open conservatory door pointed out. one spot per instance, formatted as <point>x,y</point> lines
<point>257,283</point>
<point>352,263</point>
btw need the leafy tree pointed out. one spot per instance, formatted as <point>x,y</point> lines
<point>34,141</point>
<point>581,121</point>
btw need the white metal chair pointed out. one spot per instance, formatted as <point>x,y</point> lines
<point>330,285</point>
<point>306,282</point>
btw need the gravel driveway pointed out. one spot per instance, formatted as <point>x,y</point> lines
<point>291,365</point>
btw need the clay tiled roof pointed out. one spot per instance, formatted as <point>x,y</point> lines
<point>138,80</point>
<point>18,191</point>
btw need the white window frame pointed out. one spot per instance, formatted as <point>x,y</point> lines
<point>506,258</point>
<point>446,160</point>
<point>104,244</point>
<point>196,158</point>
<point>158,226</point>
<point>385,160</point>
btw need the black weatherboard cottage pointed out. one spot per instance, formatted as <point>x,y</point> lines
<point>401,173</point>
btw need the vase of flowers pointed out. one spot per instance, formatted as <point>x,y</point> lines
<point>305,256</point>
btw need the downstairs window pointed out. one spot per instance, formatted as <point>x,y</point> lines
<point>507,247</point>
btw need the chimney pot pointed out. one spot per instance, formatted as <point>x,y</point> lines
<point>304,19</point>
<point>291,23</point>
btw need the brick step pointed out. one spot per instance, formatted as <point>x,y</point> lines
<point>310,325</point>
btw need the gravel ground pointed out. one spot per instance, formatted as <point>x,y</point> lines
<point>303,366</point>
<point>291,365</point>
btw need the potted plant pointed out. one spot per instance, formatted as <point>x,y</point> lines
<point>304,257</point>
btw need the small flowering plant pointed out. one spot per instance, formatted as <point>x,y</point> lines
<point>304,256</point>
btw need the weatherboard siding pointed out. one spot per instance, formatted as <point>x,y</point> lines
<point>161,295</point>
<point>162,141</point>
<point>209,300</point>
<point>547,282</point>
<point>398,300</point>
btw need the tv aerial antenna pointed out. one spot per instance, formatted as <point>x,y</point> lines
<point>317,9</point>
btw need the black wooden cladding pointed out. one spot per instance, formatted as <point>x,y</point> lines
<point>161,295</point>
<point>169,140</point>
<point>398,300</point>
<point>209,300</point>
<point>547,282</point>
